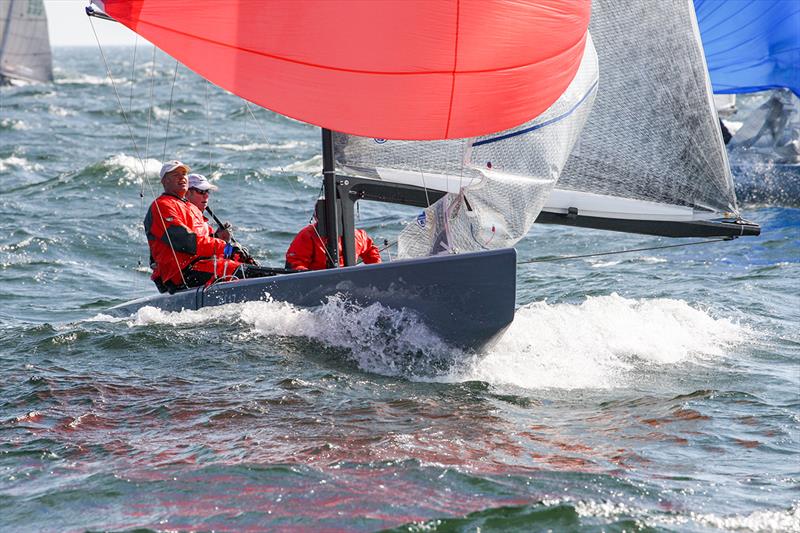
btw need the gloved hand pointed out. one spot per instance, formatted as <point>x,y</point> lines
<point>237,252</point>
<point>230,249</point>
<point>224,232</point>
<point>243,255</point>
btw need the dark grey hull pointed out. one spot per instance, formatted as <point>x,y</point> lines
<point>467,299</point>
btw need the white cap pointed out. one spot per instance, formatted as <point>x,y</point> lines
<point>199,182</point>
<point>169,166</point>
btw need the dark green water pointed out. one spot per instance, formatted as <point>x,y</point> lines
<point>651,391</point>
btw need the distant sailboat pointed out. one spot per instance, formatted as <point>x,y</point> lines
<point>24,42</point>
<point>753,47</point>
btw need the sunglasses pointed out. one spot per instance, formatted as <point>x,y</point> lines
<point>198,191</point>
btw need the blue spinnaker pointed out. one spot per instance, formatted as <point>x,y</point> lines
<point>751,45</point>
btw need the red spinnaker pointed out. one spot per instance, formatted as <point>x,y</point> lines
<point>398,69</point>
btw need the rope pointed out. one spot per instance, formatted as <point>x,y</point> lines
<point>135,146</point>
<point>150,108</point>
<point>294,189</point>
<point>133,73</point>
<point>169,112</point>
<point>208,133</point>
<point>116,94</point>
<point>130,111</point>
<point>568,257</point>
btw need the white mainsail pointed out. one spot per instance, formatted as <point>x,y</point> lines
<point>24,42</point>
<point>652,148</point>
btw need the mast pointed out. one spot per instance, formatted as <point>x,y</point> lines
<point>329,182</point>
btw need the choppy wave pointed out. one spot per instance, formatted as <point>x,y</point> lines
<point>600,343</point>
<point>14,162</point>
<point>599,263</point>
<point>128,168</point>
<point>12,124</point>
<point>772,520</point>
<point>565,514</point>
<point>378,339</point>
<point>309,166</point>
<point>60,111</point>
<point>288,145</point>
<point>85,79</point>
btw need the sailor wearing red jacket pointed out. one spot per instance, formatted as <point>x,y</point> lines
<point>308,250</point>
<point>182,252</point>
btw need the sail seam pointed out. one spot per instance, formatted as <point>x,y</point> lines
<point>453,74</point>
<point>328,67</point>
<point>542,125</point>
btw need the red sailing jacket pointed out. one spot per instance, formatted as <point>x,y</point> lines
<point>307,251</point>
<point>174,220</point>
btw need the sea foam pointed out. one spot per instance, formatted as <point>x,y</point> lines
<point>132,167</point>
<point>20,163</point>
<point>599,343</point>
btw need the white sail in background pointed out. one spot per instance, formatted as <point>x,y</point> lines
<point>24,42</point>
<point>652,148</point>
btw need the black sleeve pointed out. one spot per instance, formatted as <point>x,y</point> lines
<point>181,240</point>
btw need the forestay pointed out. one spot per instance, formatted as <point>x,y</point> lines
<point>652,148</point>
<point>498,182</point>
<point>24,41</point>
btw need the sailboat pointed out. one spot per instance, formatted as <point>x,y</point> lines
<point>483,150</point>
<point>24,42</point>
<point>754,47</point>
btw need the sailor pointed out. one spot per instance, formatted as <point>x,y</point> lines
<point>308,250</point>
<point>183,253</point>
<point>198,195</point>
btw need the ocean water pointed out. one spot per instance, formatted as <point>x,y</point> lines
<point>654,391</point>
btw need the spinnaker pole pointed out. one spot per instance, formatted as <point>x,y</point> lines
<point>329,182</point>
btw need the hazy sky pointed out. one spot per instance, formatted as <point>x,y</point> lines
<point>69,26</point>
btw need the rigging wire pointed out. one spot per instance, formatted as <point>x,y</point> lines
<point>614,252</point>
<point>130,112</point>
<point>294,190</point>
<point>598,254</point>
<point>133,73</point>
<point>208,133</point>
<point>150,107</point>
<point>169,112</point>
<point>116,94</point>
<point>135,145</point>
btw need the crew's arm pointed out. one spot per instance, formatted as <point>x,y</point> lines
<point>371,253</point>
<point>301,251</point>
<point>182,239</point>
